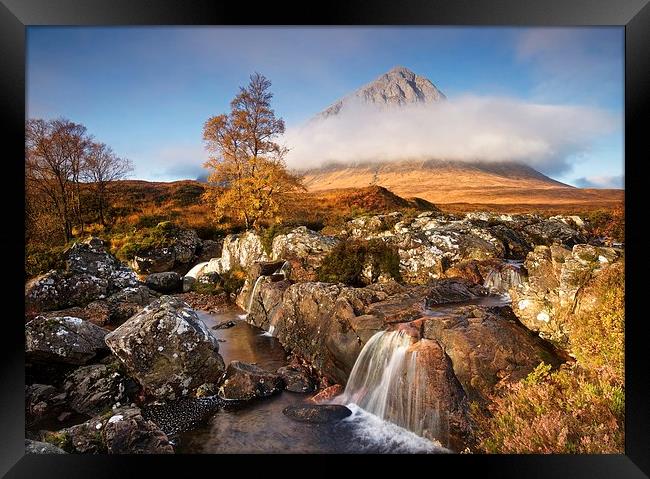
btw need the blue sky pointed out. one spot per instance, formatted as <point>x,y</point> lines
<point>147,91</point>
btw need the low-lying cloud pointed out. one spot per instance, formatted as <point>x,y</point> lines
<point>468,129</point>
<point>605,181</point>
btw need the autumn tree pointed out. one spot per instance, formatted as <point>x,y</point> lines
<point>247,164</point>
<point>102,167</point>
<point>55,151</point>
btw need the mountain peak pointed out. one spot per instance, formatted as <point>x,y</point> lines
<point>395,88</point>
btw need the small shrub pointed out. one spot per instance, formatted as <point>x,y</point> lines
<point>598,337</point>
<point>39,260</point>
<point>206,288</point>
<point>269,234</point>
<point>567,411</point>
<point>142,241</point>
<point>607,224</point>
<point>233,280</point>
<point>150,221</point>
<point>345,263</point>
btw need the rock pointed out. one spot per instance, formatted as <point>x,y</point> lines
<point>553,232</point>
<point>264,268</point>
<point>192,275</point>
<point>124,431</point>
<point>91,273</point>
<point>113,310</point>
<point>209,249</point>
<point>440,399</point>
<point>58,290</point>
<point>488,345</point>
<point>183,414</point>
<point>224,325</point>
<point>167,282</point>
<point>240,251</point>
<point>84,438</point>
<point>328,324</point>
<point>366,226</point>
<point>556,275</point>
<point>244,381</point>
<point>467,270</point>
<point>397,87</point>
<point>186,245</point>
<point>265,302</point>
<point>177,255</point>
<point>297,379</point>
<point>452,291</point>
<point>37,447</point>
<point>154,261</point>
<point>67,340</point>
<point>211,278</point>
<point>317,413</point>
<point>127,432</point>
<point>96,388</point>
<point>91,257</point>
<point>43,402</point>
<point>328,393</point>
<point>167,349</point>
<point>304,249</point>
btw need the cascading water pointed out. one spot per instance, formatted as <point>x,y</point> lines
<point>283,270</point>
<point>387,382</point>
<point>502,279</point>
<point>252,296</point>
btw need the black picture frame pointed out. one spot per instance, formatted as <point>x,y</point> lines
<point>634,15</point>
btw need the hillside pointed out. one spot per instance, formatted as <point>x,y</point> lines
<point>447,182</point>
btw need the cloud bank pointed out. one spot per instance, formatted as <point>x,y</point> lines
<point>469,129</point>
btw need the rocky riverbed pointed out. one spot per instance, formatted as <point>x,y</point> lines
<point>123,361</point>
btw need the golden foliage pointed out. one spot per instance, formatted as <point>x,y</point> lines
<point>248,171</point>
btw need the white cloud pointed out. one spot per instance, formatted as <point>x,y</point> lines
<point>469,128</point>
<point>614,181</point>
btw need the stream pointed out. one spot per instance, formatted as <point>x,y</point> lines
<point>260,426</point>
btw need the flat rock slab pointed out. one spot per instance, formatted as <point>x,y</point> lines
<point>317,413</point>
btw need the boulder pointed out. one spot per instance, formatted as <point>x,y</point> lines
<point>127,432</point>
<point>556,276</point>
<point>488,345</point>
<point>124,431</point>
<point>467,270</point>
<point>43,402</point>
<point>244,381</point>
<point>38,447</point>
<point>328,324</point>
<point>157,260</point>
<point>317,413</point>
<point>96,388</point>
<point>59,289</point>
<point>66,339</point>
<point>91,273</point>
<point>113,310</point>
<point>240,251</point>
<point>91,257</point>
<point>177,255</point>
<point>297,379</point>
<point>327,394</point>
<point>167,282</point>
<point>304,250</point>
<point>209,249</point>
<point>167,349</point>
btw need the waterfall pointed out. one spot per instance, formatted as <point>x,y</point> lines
<point>502,279</point>
<point>252,296</point>
<point>282,269</point>
<point>387,382</point>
